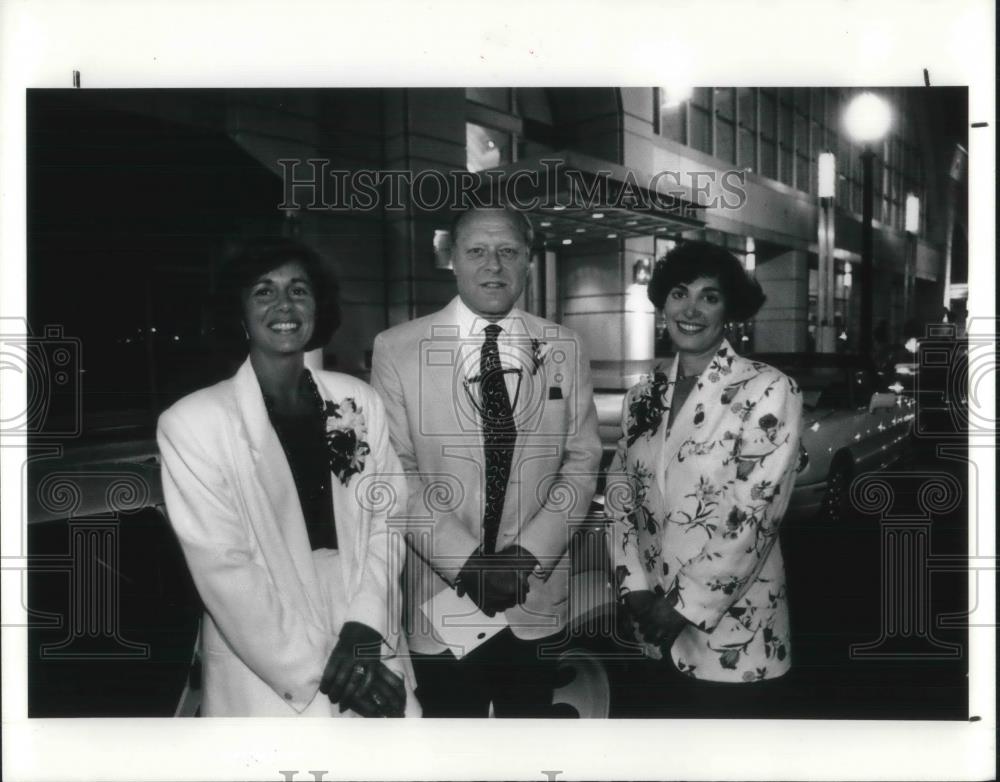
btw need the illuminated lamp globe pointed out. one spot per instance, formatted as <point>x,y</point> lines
<point>867,117</point>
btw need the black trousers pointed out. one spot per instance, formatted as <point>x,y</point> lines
<point>507,671</point>
<point>657,689</point>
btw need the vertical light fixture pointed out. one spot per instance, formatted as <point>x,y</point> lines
<point>912,225</point>
<point>827,179</point>
<point>912,214</point>
<point>826,189</point>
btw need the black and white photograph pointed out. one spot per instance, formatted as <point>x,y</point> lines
<point>624,408</point>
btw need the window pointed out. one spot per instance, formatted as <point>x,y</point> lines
<point>725,105</point>
<point>768,133</point>
<point>701,129</point>
<point>768,114</point>
<point>725,141</point>
<point>786,172</point>
<point>801,135</point>
<point>768,158</point>
<point>673,119</point>
<point>747,150</point>
<point>786,164</point>
<point>498,98</point>
<point>804,174</point>
<point>747,146</point>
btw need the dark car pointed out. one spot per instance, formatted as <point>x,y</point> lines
<point>112,611</point>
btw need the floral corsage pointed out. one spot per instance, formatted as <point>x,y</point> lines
<point>346,445</point>
<point>539,350</point>
<point>647,406</point>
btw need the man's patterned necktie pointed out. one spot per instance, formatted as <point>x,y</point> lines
<point>499,435</point>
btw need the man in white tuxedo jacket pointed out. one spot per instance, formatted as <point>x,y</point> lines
<point>491,412</point>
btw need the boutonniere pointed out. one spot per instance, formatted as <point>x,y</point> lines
<point>346,443</point>
<point>539,350</point>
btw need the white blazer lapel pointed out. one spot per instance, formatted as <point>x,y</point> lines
<point>533,389</point>
<point>668,436</point>
<point>272,503</point>
<point>707,387</point>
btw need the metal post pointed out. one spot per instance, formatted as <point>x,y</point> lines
<point>908,280</point>
<point>867,292</point>
<point>825,332</point>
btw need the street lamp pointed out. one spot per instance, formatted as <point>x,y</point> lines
<point>867,119</point>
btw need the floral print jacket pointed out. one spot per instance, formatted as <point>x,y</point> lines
<point>697,507</point>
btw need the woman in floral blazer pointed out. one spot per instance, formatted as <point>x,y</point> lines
<point>279,483</point>
<point>703,473</point>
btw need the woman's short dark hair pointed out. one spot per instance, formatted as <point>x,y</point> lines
<point>690,260</point>
<point>258,256</point>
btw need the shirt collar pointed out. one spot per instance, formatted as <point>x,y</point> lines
<point>470,324</point>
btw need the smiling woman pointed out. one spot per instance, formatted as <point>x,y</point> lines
<point>708,453</point>
<point>265,477</point>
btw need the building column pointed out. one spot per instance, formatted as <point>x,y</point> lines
<point>612,315</point>
<point>781,325</point>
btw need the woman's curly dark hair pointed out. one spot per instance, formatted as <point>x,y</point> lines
<point>258,256</point>
<point>690,260</point>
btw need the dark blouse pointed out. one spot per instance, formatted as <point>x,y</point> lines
<point>304,443</point>
<point>682,389</point>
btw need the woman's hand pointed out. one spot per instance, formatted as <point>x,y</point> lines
<point>658,621</point>
<point>386,697</point>
<point>356,678</point>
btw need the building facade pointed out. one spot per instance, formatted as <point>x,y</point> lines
<point>363,175</point>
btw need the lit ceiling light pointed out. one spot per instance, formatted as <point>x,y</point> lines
<point>597,215</point>
<point>545,223</point>
<point>632,222</point>
<point>558,208</point>
<point>612,236</point>
<point>567,241</point>
<point>580,230</point>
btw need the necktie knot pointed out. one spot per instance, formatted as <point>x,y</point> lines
<point>492,332</point>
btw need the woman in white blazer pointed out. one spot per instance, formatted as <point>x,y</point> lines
<point>279,483</point>
<point>702,477</point>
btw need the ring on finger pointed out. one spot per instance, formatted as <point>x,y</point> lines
<point>369,674</point>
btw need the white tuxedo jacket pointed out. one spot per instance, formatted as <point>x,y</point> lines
<point>419,368</point>
<point>232,501</point>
